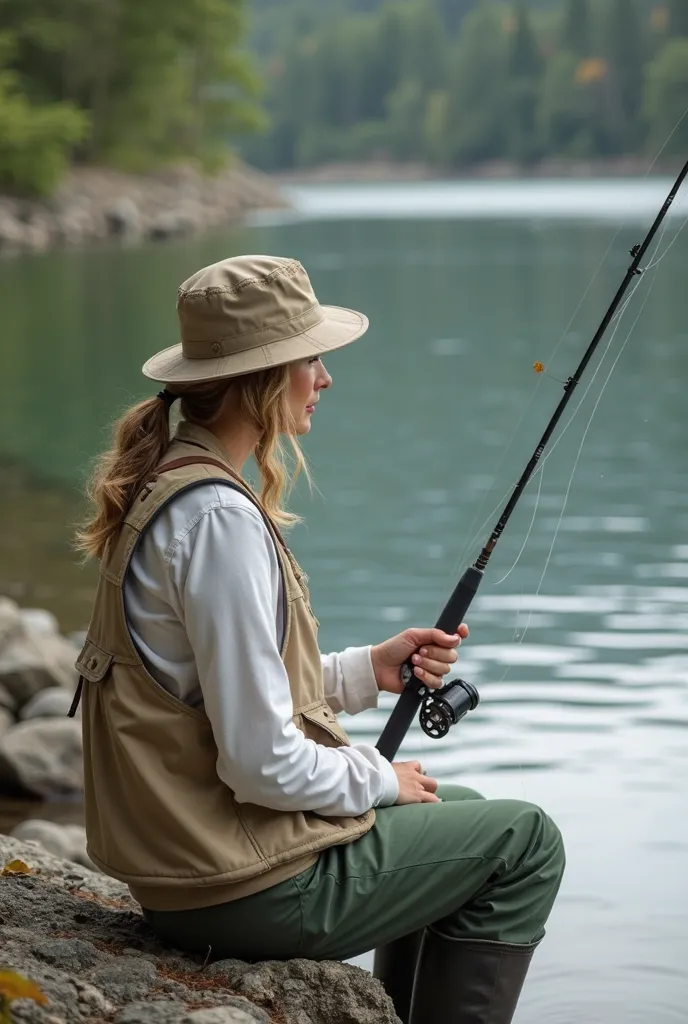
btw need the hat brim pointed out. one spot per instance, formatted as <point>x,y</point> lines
<point>339,327</point>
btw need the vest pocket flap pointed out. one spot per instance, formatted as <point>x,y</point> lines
<point>93,664</point>
<point>323,718</point>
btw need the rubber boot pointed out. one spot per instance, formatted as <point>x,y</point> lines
<point>464,981</point>
<point>394,966</point>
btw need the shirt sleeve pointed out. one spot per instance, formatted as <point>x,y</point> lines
<point>349,680</point>
<point>224,571</point>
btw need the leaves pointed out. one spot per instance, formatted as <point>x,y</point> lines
<point>16,867</point>
<point>16,986</point>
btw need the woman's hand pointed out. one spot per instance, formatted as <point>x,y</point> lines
<point>414,787</point>
<point>436,653</point>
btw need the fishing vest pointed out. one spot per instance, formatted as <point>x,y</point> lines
<point>157,815</point>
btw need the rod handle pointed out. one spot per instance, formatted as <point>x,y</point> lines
<point>412,695</point>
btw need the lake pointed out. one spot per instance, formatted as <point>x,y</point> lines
<point>579,637</point>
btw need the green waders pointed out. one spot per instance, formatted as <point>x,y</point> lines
<point>482,873</point>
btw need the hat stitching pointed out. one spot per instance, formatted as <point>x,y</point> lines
<point>287,270</point>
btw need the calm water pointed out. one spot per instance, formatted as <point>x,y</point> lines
<point>581,651</point>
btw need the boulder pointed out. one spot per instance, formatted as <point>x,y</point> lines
<point>42,757</point>
<point>51,703</point>
<point>6,721</point>
<point>11,625</point>
<point>39,622</point>
<point>173,224</point>
<point>66,841</point>
<point>30,662</point>
<point>123,219</point>
<point>82,939</point>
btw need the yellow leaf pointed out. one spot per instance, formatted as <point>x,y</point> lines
<point>538,367</point>
<point>16,986</point>
<point>16,867</point>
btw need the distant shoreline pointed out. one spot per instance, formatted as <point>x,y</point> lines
<point>494,170</point>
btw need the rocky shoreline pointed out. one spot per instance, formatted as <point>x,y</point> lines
<point>78,935</point>
<point>81,939</point>
<point>95,204</point>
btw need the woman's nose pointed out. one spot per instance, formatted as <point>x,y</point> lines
<point>325,380</point>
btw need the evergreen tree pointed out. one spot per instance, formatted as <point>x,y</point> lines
<point>576,35</point>
<point>625,54</point>
<point>524,59</point>
<point>524,65</point>
<point>665,98</point>
<point>476,104</point>
<point>678,17</point>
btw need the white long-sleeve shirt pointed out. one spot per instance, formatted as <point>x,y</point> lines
<point>204,601</point>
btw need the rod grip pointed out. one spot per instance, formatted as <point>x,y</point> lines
<point>412,696</point>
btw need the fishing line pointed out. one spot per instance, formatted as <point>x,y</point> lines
<point>478,532</point>
<point>468,545</point>
<point>540,468</point>
<point>587,428</point>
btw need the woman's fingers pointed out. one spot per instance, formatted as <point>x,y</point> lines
<point>429,785</point>
<point>431,664</point>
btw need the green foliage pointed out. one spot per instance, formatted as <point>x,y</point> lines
<point>665,98</point>
<point>455,82</point>
<point>35,139</point>
<point>678,17</point>
<point>576,36</point>
<point>153,80</point>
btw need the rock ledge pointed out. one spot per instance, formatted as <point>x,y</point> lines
<point>82,939</point>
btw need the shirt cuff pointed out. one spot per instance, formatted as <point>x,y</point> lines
<point>358,680</point>
<point>391,790</point>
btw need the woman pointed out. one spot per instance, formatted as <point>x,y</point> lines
<point>218,783</point>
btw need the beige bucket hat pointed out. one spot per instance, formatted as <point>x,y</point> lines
<point>247,313</point>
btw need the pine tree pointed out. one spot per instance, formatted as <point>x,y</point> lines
<point>625,54</point>
<point>525,60</point>
<point>678,17</point>
<point>576,36</point>
<point>524,68</point>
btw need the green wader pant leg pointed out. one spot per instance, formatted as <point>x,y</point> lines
<point>474,868</point>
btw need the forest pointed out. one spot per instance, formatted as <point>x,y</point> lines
<point>297,83</point>
<point>454,83</point>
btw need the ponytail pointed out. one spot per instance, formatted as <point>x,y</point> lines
<point>141,438</point>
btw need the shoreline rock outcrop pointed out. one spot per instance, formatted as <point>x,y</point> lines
<point>98,204</point>
<point>81,938</point>
<point>41,751</point>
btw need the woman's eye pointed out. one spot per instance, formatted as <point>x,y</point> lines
<point>315,359</point>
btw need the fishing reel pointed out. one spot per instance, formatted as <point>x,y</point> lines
<point>443,708</point>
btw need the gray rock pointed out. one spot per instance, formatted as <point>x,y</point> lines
<point>11,625</point>
<point>67,841</point>
<point>51,703</point>
<point>30,662</point>
<point>309,991</point>
<point>159,1012</point>
<point>82,939</point>
<point>172,224</point>
<point>123,219</point>
<point>7,701</point>
<point>43,756</point>
<point>11,232</point>
<point>220,1015</point>
<point>6,721</point>
<point>39,622</point>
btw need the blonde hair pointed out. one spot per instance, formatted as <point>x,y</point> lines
<point>142,436</point>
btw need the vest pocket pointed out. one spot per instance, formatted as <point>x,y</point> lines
<point>320,724</point>
<point>93,664</point>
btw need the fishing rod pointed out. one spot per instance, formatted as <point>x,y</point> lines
<point>442,708</point>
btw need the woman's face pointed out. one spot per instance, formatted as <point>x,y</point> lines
<point>307,377</point>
